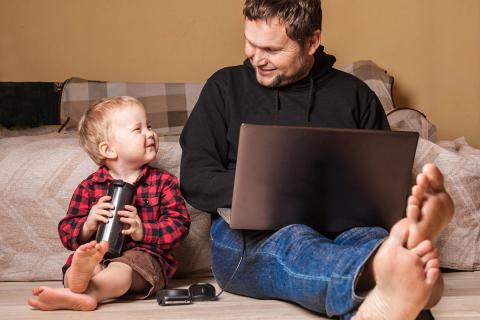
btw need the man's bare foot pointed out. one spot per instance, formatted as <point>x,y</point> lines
<point>429,207</point>
<point>404,278</point>
<point>60,298</point>
<point>85,259</point>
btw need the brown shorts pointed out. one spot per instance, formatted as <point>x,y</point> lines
<point>146,266</point>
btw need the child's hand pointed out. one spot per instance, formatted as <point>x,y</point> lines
<point>130,216</point>
<point>99,213</point>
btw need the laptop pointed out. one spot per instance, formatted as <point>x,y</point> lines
<point>329,179</point>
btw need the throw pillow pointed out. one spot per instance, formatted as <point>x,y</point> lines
<point>168,104</point>
<point>408,119</point>
<point>459,244</point>
<point>376,78</point>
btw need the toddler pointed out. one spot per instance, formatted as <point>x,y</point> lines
<point>116,134</point>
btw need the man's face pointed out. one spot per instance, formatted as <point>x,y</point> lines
<point>277,59</point>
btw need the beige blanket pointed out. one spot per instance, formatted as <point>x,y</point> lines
<point>459,244</point>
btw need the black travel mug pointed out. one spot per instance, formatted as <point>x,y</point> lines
<point>122,194</point>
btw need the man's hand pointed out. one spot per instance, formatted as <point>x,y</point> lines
<point>130,216</point>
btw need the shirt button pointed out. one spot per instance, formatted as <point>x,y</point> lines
<point>145,201</point>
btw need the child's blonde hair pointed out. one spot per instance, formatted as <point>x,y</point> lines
<point>95,125</point>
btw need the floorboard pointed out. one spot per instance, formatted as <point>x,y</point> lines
<point>461,300</point>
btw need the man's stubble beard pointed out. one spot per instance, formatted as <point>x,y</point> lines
<point>281,80</point>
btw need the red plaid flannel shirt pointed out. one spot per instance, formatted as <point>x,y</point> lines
<point>159,204</point>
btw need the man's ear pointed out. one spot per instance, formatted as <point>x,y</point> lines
<point>106,150</point>
<point>313,42</point>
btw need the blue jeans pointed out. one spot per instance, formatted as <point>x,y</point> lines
<point>295,263</point>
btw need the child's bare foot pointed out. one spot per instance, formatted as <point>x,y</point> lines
<point>404,278</point>
<point>85,259</point>
<point>61,298</point>
<point>429,208</point>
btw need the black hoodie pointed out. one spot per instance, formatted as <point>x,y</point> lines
<point>326,97</point>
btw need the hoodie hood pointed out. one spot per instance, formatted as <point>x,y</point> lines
<point>322,65</point>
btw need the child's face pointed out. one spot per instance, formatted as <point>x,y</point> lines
<point>134,142</point>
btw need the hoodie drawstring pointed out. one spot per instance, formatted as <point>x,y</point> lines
<point>308,110</point>
<point>311,101</point>
<point>277,105</point>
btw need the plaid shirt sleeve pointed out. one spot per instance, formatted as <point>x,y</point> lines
<point>70,226</point>
<point>171,228</point>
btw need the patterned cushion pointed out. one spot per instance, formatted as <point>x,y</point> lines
<point>37,177</point>
<point>408,119</point>
<point>376,78</point>
<point>459,244</point>
<point>168,104</point>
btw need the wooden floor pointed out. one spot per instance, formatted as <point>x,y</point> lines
<point>461,301</point>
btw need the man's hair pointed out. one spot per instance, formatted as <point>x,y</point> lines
<point>95,125</point>
<point>301,17</point>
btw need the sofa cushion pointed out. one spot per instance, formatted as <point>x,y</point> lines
<point>376,78</point>
<point>37,177</point>
<point>194,254</point>
<point>409,119</point>
<point>459,243</point>
<point>168,105</point>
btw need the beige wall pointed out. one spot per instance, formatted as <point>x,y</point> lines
<point>431,47</point>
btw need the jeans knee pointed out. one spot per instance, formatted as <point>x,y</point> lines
<point>297,229</point>
<point>361,235</point>
<point>294,232</point>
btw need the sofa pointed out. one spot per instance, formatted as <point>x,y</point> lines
<point>40,167</point>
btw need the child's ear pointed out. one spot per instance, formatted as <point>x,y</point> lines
<point>106,150</point>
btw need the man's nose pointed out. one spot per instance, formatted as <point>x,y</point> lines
<point>259,58</point>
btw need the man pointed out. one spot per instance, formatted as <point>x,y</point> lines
<point>288,79</point>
